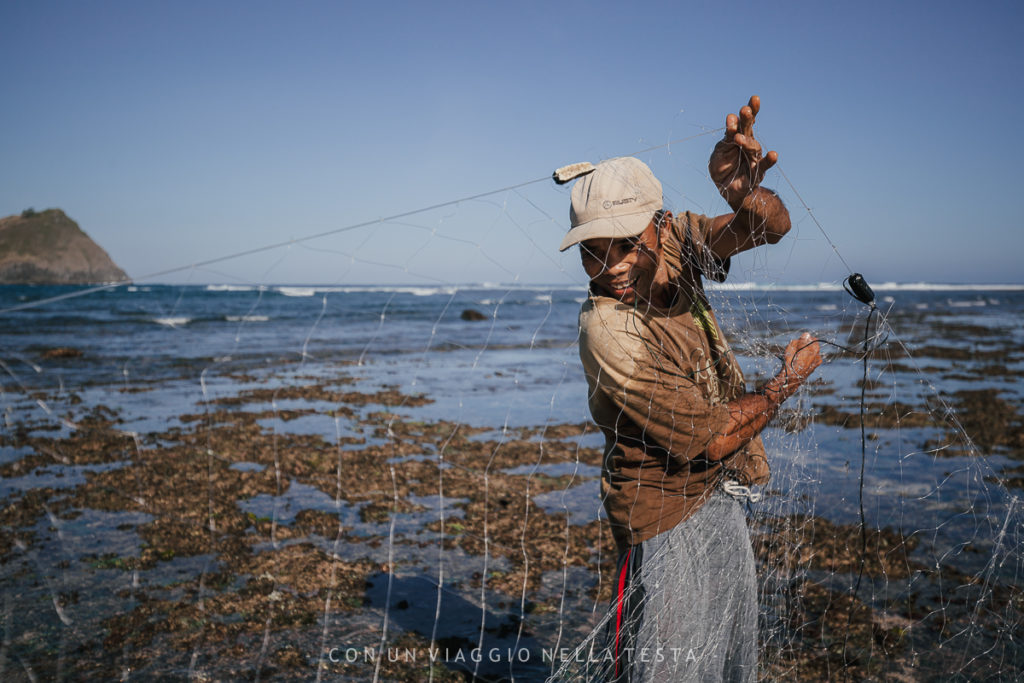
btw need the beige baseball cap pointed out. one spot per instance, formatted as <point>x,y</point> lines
<point>618,199</point>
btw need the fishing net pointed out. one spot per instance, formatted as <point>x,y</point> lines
<point>354,481</point>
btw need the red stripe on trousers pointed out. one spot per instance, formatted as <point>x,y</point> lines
<point>618,609</point>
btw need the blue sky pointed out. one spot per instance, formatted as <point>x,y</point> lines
<point>180,132</point>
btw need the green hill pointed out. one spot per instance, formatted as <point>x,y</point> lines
<point>47,247</point>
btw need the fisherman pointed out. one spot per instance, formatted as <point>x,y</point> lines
<point>682,444</point>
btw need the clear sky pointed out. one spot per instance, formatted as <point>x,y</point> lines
<point>176,132</point>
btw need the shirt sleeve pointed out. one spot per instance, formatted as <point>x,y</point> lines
<point>689,248</point>
<point>640,389</point>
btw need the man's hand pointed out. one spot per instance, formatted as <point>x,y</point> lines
<point>750,413</point>
<point>803,356</point>
<point>736,165</point>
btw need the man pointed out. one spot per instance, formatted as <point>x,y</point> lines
<point>680,427</point>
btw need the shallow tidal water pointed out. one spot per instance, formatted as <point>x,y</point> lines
<point>258,482</point>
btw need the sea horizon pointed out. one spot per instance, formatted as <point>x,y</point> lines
<point>414,287</point>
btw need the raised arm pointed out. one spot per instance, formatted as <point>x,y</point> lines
<point>737,168</point>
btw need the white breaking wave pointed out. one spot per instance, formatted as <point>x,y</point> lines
<point>297,291</point>
<point>363,289</point>
<point>430,291</point>
<point>235,288</point>
<point>771,287</point>
<point>936,287</point>
<point>883,286</point>
<point>173,322</point>
<point>246,318</point>
<point>544,290</point>
<point>448,290</point>
<point>416,291</point>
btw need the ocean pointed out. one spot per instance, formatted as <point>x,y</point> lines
<point>295,393</point>
<point>161,333</point>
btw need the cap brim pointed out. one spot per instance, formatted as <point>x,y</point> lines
<point>607,228</point>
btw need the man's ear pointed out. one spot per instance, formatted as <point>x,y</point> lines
<point>664,227</point>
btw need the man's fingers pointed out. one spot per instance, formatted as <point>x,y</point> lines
<point>732,124</point>
<point>770,159</point>
<point>747,120</point>
<point>803,354</point>
<point>744,123</point>
<point>802,342</point>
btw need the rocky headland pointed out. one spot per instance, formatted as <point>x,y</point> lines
<point>47,247</point>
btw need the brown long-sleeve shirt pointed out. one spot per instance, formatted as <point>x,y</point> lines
<point>659,380</point>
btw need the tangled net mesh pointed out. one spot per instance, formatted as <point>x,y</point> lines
<point>400,482</point>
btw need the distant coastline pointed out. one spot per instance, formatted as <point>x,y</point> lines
<point>47,247</point>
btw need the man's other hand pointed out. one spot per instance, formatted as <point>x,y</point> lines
<point>803,355</point>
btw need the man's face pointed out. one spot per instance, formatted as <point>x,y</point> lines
<point>623,268</point>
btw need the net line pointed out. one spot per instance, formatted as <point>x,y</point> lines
<point>326,233</point>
